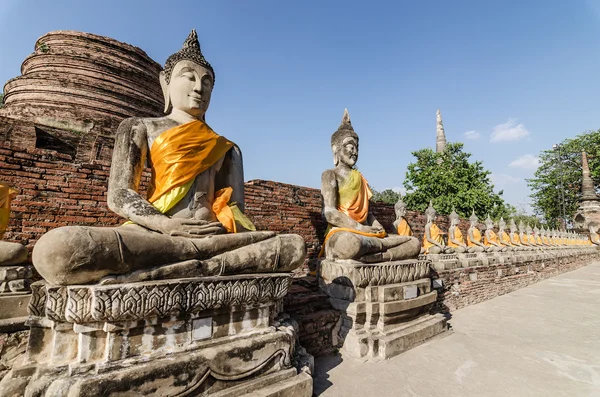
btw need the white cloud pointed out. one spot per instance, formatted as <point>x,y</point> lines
<point>509,131</point>
<point>471,135</point>
<point>527,161</point>
<point>504,179</point>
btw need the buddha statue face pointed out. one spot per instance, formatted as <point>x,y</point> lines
<point>400,209</point>
<point>190,88</point>
<point>454,219</point>
<point>347,154</point>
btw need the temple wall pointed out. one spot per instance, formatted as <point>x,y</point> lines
<point>55,191</point>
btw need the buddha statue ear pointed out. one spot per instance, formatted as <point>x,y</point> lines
<point>336,159</point>
<point>165,89</point>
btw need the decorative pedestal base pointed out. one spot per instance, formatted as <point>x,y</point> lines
<point>384,306</point>
<point>469,260</point>
<point>14,296</point>
<point>196,336</point>
<point>442,261</point>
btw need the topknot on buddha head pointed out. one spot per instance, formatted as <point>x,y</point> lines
<point>344,135</point>
<point>190,51</point>
<point>473,218</point>
<point>430,212</point>
<point>400,207</point>
<point>454,218</point>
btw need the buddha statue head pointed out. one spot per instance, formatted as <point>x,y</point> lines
<point>454,218</point>
<point>528,229</point>
<point>513,226</point>
<point>187,80</point>
<point>430,213</point>
<point>344,143</point>
<point>501,225</point>
<point>489,223</point>
<point>473,219</point>
<point>521,227</point>
<point>536,230</point>
<point>400,208</point>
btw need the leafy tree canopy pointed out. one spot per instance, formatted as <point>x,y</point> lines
<point>387,196</point>
<point>559,174</point>
<point>449,180</point>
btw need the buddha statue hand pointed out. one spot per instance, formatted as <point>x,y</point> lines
<point>191,228</point>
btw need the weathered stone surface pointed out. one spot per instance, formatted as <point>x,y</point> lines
<point>11,254</point>
<point>192,336</point>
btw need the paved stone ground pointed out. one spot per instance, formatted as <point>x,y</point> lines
<point>543,340</point>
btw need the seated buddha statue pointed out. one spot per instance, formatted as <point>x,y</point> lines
<point>530,236</point>
<point>503,236</point>
<point>544,237</point>
<point>515,238</point>
<point>455,236</point>
<point>538,237</point>
<point>474,235</point>
<point>490,238</point>
<point>401,225</point>
<point>191,224</point>
<point>433,239</point>
<point>353,232</point>
<point>524,237</point>
<point>10,253</point>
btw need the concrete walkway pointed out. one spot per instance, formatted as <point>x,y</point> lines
<point>543,340</point>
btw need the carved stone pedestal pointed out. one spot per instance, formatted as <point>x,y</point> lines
<point>14,296</point>
<point>469,260</point>
<point>442,261</point>
<point>384,306</point>
<point>188,337</point>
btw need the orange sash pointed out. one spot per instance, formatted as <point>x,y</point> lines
<point>6,195</point>
<point>493,238</point>
<point>181,153</point>
<point>476,236</point>
<point>457,236</point>
<point>435,235</point>
<point>505,238</point>
<point>404,228</point>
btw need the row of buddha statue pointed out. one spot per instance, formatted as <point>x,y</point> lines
<point>523,237</point>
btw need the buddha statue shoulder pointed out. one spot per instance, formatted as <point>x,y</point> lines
<point>10,253</point>
<point>353,232</point>
<point>433,238</point>
<point>191,224</point>
<point>455,236</point>
<point>474,237</point>
<point>401,225</point>
<point>490,238</point>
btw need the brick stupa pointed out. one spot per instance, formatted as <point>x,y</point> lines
<point>74,90</point>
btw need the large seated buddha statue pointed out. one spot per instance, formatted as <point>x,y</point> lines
<point>191,224</point>
<point>474,235</point>
<point>401,225</point>
<point>538,237</point>
<point>353,231</point>
<point>455,236</point>
<point>530,236</point>
<point>524,237</point>
<point>433,238</point>
<point>490,238</point>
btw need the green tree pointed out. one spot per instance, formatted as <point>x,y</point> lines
<point>387,196</point>
<point>449,180</point>
<point>557,181</point>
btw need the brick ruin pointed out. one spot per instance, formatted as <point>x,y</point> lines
<point>56,142</point>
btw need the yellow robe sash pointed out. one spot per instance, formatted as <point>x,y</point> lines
<point>505,238</point>
<point>435,234</point>
<point>545,240</point>
<point>538,240</point>
<point>404,228</point>
<point>493,239</point>
<point>517,238</point>
<point>6,195</point>
<point>178,156</point>
<point>457,236</point>
<point>476,236</point>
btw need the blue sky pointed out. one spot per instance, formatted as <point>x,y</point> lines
<point>514,76</point>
